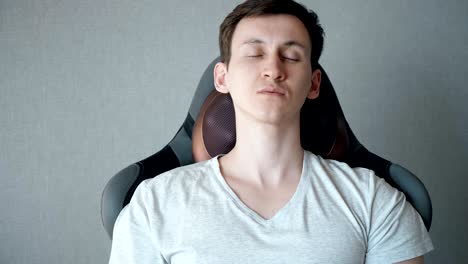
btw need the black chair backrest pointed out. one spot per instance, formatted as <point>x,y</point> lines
<point>324,131</point>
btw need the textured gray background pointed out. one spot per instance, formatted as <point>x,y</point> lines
<point>88,87</point>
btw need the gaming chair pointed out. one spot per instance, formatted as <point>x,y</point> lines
<point>209,130</point>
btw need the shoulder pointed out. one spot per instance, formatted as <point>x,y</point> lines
<point>340,173</point>
<point>358,184</point>
<point>189,172</point>
<point>394,229</point>
<point>178,179</point>
<point>167,194</point>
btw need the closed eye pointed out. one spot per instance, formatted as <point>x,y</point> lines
<point>291,59</point>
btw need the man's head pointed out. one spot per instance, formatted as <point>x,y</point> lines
<point>268,60</point>
<point>254,8</point>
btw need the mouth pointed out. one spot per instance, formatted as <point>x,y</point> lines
<point>272,91</point>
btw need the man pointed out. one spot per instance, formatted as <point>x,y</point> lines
<point>269,200</point>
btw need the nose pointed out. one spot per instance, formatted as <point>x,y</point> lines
<point>273,69</point>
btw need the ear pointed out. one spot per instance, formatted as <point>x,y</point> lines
<point>220,71</point>
<point>315,84</point>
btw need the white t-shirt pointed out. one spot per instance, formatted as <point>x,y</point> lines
<point>337,215</point>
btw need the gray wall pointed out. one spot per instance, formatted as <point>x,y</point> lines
<point>88,87</point>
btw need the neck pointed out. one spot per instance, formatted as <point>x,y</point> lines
<point>265,154</point>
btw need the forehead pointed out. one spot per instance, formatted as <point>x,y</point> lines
<point>271,30</point>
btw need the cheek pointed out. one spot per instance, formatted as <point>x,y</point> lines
<point>306,78</point>
<point>305,83</point>
<point>240,75</point>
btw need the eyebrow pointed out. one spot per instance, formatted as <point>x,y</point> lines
<point>290,43</point>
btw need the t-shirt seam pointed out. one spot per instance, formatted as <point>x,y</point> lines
<point>413,251</point>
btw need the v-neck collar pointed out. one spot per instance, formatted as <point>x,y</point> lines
<point>247,210</point>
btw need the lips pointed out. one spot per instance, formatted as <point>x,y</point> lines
<point>272,90</point>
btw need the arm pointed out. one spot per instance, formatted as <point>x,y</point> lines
<point>133,237</point>
<point>396,231</point>
<point>417,260</point>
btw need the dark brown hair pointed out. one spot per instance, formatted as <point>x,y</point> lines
<point>252,8</point>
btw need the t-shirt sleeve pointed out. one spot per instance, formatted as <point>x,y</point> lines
<point>396,231</point>
<point>133,240</point>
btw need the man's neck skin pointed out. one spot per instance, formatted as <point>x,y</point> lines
<point>265,155</point>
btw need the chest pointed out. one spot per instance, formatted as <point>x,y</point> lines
<point>224,233</point>
<point>266,202</point>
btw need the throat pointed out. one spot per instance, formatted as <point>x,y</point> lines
<point>264,201</point>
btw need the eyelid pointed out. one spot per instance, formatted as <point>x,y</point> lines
<point>291,59</point>
<point>254,55</point>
